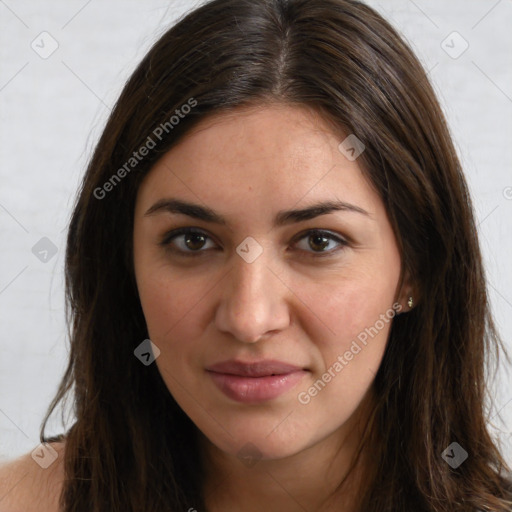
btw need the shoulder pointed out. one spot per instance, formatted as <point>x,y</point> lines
<point>33,481</point>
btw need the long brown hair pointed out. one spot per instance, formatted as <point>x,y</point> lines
<point>131,447</point>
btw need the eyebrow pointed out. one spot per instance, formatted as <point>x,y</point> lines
<point>284,217</point>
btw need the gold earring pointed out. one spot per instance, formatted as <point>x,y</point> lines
<point>410,302</point>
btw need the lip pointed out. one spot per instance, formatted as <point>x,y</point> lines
<point>255,382</point>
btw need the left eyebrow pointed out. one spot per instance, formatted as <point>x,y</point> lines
<point>284,217</point>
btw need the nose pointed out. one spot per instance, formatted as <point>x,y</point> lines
<point>253,301</point>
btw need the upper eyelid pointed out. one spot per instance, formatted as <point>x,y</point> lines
<point>173,233</point>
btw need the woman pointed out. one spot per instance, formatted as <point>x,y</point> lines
<point>276,293</point>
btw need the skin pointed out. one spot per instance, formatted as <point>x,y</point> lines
<point>288,304</point>
<point>27,487</point>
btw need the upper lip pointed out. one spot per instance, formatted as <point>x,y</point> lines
<point>256,369</point>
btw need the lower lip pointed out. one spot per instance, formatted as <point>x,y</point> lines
<point>250,390</point>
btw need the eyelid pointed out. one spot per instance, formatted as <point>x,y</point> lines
<point>175,233</point>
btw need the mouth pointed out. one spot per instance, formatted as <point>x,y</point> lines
<point>255,382</point>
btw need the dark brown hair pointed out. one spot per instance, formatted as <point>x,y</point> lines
<point>131,447</point>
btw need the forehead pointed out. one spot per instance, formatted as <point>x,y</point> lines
<point>274,155</point>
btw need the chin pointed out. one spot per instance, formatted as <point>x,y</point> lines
<point>247,440</point>
<point>251,449</point>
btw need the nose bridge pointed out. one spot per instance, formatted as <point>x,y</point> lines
<point>250,279</point>
<point>252,301</point>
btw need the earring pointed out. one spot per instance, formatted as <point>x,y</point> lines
<point>410,302</point>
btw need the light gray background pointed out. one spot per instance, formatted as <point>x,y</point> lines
<point>52,111</point>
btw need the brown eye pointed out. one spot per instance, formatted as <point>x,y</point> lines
<point>187,241</point>
<point>194,241</point>
<point>318,243</point>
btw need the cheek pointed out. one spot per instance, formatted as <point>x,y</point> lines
<point>350,341</point>
<point>351,304</point>
<point>168,301</point>
<point>348,360</point>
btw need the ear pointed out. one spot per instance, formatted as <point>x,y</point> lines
<point>408,295</point>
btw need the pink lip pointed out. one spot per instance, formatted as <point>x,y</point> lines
<point>255,382</point>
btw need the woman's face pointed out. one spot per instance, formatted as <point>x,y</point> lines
<point>256,288</point>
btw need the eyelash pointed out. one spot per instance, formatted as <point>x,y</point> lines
<point>169,237</point>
